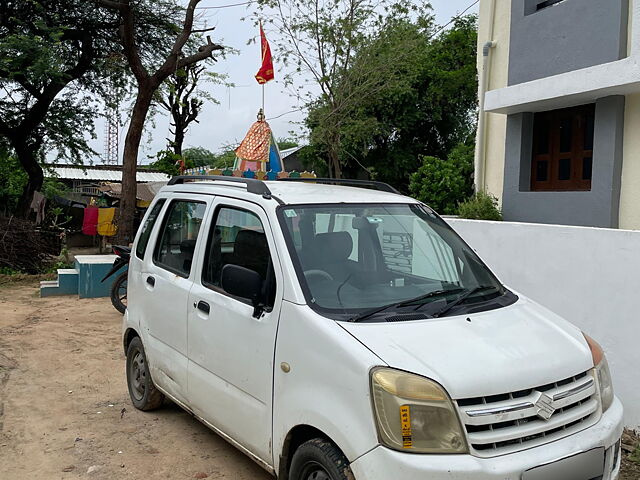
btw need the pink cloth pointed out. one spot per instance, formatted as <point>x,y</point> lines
<point>90,221</point>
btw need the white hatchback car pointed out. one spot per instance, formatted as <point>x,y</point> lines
<point>333,332</point>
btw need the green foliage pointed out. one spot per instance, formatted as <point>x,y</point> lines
<point>320,42</point>
<point>443,184</point>
<point>12,180</point>
<point>199,156</point>
<point>166,162</point>
<point>59,264</point>
<point>481,206</point>
<point>43,47</point>
<point>635,455</point>
<point>284,143</point>
<point>9,271</point>
<point>58,59</point>
<point>224,159</point>
<point>407,93</point>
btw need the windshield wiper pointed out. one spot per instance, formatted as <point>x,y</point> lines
<point>462,298</point>
<point>435,293</point>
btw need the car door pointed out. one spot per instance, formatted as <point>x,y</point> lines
<point>142,250</point>
<point>230,351</point>
<point>167,278</point>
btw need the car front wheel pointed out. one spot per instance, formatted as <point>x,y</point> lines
<point>319,459</point>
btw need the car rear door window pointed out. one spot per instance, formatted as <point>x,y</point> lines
<point>141,247</point>
<point>177,240</point>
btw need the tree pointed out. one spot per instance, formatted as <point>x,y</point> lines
<point>225,159</point>
<point>149,76</point>
<point>47,48</point>
<point>12,181</point>
<point>320,40</point>
<point>426,106</point>
<point>167,162</point>
<point>57,59</point>
<point>200,156</point>
<point>443,184</point>
<point>285,143</point>
<point>181,97</point>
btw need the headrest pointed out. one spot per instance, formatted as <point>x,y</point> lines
<point>250,243</point>
<point>333,246</point>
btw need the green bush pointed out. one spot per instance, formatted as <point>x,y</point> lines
<point>442,184</point>
<point>166,163</point>
<point>481,206</point>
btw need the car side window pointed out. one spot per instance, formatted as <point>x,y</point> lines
<point>237,237</point>
<point>178,236</point>
<point>141,247</point>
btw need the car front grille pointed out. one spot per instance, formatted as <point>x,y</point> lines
<point>506,423</point>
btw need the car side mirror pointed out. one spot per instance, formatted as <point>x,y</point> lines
<point>244,283</point>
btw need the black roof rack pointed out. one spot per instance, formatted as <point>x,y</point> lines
<point>258,187</point>
<point>253,185</point>
<point>383,187</point>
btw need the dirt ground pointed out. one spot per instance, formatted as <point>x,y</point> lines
<point>64,407</point>
<point>65,411</point>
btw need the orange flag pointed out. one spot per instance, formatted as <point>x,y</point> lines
<point>265,73</point>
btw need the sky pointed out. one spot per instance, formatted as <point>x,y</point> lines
<point>227,123</point>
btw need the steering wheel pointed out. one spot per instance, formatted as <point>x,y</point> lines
<point>318,273</point>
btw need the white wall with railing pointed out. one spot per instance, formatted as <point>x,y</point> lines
<point>590,276</point>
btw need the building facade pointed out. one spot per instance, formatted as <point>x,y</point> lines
<point>559,134</point>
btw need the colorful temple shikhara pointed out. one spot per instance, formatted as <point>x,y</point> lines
<point>257,156</point>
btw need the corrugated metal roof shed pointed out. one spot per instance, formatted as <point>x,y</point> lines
<point>290,151</point>
<point>145,191</point>
<point>103,175</point>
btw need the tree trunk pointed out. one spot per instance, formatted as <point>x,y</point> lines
<point>126,218</point>
<point>27,156</point>
<point>335,169</point>
<point>178,140</point>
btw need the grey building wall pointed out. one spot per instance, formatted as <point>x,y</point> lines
<point>596,208</point>
<point>570,35</point>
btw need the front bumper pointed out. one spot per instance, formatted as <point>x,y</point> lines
<point>383,464</point>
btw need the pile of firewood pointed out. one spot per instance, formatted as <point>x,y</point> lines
<point>22,246</point>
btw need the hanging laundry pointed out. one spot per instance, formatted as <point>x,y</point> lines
<point>106,226</point>
<point>90,221</point>
<point>37,205</point>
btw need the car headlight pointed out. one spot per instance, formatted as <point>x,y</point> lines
<point>415,414</point>
<point>603,375</point>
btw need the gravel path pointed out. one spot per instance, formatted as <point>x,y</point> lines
<point>65,411</point>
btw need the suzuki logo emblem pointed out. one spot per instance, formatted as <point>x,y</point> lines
<point>544,406</point>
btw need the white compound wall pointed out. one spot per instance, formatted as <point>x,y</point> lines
<point>590,276</point>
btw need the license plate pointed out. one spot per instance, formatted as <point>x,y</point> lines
<point>583,466</point>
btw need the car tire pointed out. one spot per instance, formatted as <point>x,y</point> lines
<point>142,391</point>
<point>119,285</point>
<point>319,459</point>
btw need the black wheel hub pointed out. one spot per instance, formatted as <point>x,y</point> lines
<point>314,471</point>
<point>138,375</point>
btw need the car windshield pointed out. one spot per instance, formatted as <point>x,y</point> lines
<point>356,258</point>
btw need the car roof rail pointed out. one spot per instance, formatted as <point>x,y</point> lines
<point>383,187</point>
<point>253,185</point>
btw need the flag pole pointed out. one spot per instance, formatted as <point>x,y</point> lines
<point>263,98</point>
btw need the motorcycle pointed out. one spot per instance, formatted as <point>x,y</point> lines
<point>119,285</point>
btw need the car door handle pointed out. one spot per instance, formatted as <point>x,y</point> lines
<point>151,281</point>
<point>203,307</point>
